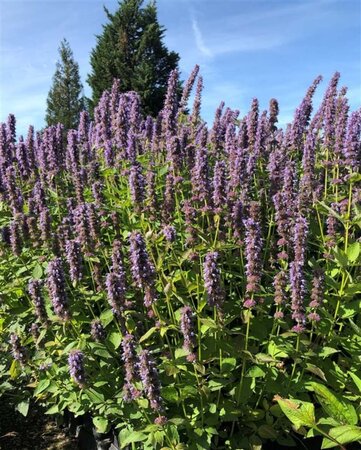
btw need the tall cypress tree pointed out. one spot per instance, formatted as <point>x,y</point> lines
<point>65,100</point>
<point>131,50</point>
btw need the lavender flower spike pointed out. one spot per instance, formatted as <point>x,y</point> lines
<point>130,359</point>
<point>149,376</point>
<point>76,367</point>
<point>297,276</point>
<point>212,280</point>
<point>97,330</point>
<point>142,269</point>
<point>56,287</point>
<point>74,258</point>
<point>37,299</point>
<point>18,351</point>
<point>253,255</point>
<point>187,329</point>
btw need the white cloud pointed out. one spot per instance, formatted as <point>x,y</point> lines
<point>199,39</point>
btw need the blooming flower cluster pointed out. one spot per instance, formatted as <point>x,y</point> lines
<point>153,244</point>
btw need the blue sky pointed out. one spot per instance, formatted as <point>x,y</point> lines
<point>246,49</point>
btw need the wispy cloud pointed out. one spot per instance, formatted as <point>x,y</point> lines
<point>199,39</point>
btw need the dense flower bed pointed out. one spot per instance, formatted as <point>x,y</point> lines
<point>190,287</point>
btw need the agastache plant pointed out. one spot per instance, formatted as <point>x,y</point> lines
<point>184,284</point>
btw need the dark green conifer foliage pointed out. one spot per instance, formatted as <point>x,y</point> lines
<point>65,100</point>
<point>131,50</point>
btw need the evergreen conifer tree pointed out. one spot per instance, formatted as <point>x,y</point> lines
<point>131,50</point>
<point>65,100</point>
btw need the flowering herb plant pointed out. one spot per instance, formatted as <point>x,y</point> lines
<point>189,287</point>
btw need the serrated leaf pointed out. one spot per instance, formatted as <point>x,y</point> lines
<point>344,434</point>
<point>127,437</point>
<point>170,394</point>
<point>106,317</point>
<point>353,252</point>
<point>101,424</point>
<point>37,272</point>
<point>276,352</point>
<point>333,405</point>
<point>340,256</point>
<point>115,338</point>
<point>300,413</point>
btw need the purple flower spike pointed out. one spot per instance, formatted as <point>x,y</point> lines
<point>212,280</point>
<point>18,351</point>
<point>296,274</point>
<point>150,380</point>
<point>142,269</point>
<point>137,185</point>
<point>74,258</point>
<point>188,88</point>
<point>169,232</point>
<point>317,294</point>
<point>130,360</point>
<point>97,331</point>
<point>253,254</point>
<point>38,299</point>
<point>56,287</point>
<point>219,186</point>
<point>187,328</point>
<point>76,367</point>
<point>116,289</point>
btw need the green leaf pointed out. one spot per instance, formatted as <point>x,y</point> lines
<point>52,410</point>
<point>15,369</point>
<point>115,338</point>
<point>106,317</point>
<point>356,380</point>
<point>170,394</point>
<point>344,434</point>
<point>334,406</point>
<point>267,432</point>
<point>300,413</point>
<point>350,309</point>
<point>340,257</point>
<point>316,371</point>
<point>180,353</point>
<point>101,424</point>
<point>23,407</point>
<point>353,252</point>
<point>95,396</point>
<point>127,437</point>
<point>276,352</point>
<point>42,385</point>
<point>256,372</point>
<point>327,351</point>
<point>37,272</point>
<point>148,334</point>
<point>228,364</point>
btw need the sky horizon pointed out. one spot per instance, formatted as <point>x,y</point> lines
<point>245,49</point>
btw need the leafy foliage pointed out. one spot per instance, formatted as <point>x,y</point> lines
<point>189,288</point>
